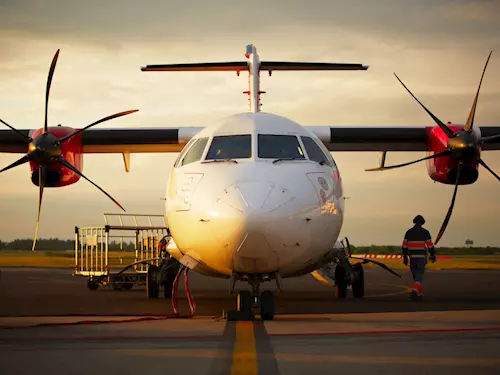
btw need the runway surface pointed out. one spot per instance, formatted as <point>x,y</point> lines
<point>456,328</point>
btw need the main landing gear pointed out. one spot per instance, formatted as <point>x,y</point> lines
<point>250,303</point>
<point>347,274</point>
<point>352,275</point>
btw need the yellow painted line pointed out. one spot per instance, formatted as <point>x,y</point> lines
<point>324,281</point>
<point>245,350</point>
<point>405,290</point>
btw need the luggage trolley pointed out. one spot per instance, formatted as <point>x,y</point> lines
<point>96,260</point>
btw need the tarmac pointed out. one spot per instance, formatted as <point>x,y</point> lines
<point>51,323</point>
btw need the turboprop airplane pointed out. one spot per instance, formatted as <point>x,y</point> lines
<point>256,197</point>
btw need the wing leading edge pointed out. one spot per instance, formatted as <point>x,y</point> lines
<point>386,138</point>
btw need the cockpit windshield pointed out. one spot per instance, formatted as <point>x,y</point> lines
<point>279,147</point>
<point>230,147</point>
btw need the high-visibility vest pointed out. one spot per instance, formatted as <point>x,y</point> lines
<point>416,243</point>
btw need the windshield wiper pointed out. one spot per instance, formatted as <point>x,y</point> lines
<point>280,159</point>
<point>220,161</point>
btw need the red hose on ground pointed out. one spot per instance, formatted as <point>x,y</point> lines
<point>175,289</point>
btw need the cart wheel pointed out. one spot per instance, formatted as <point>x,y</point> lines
<point>152,287</point>
<point>92,284</point>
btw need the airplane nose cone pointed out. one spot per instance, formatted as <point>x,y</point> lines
<point>256,202</point>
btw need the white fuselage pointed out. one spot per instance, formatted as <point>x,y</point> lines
<point>254,214</point>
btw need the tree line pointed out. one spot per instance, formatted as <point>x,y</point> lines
<point>56,244</point>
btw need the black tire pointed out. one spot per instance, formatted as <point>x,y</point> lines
<point>168,277</point>
<point>168,283</point>
<point>358,286</point>
<point>267,305</point>
<point>340,283</point>
<point>152,287</point>
<point>127,286</point>
<point>92,284</point>
<point>245,300</point>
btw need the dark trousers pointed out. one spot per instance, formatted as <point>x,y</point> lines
<point>417,267</point>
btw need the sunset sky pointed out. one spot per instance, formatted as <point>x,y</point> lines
<point>438,48</point>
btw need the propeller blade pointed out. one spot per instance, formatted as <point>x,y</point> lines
<point>47,91</point>
<point>489,139</point>
<point>443,127</point>
<point>41,183</point>
<point>21,161</point>
<point>481,161</point>
<point>380,264</point>
<point>28,139</point>
<point>450,209</point>
<point>437,155</point>
<point>116,115</point>
<point>68,165</point>
<point>470,119</point>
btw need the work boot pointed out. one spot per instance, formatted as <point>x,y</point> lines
<point>417,292</point>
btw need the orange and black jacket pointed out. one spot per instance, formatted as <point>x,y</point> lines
<point>417,240</point>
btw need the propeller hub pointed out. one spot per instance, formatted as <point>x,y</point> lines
<point>44,149</point>
<point>464,146</point>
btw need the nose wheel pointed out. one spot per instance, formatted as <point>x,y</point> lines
<point>267,305</point>
<point>250,303</point>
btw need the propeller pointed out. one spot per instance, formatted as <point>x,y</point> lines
<point>464,146</point>
<point>367,260</point>
<point>46,149</point>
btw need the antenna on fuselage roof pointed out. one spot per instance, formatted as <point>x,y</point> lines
<point>254,66</point>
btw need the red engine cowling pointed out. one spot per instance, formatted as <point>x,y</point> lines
<point>444,169</point>
<point>72,151</point>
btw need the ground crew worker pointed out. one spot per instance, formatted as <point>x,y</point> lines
<point>415,245</point>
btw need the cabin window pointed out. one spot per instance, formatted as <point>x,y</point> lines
<point>315,152</point>
<point>279,147</point>
<point>230,147</point>
<point>195,152</point>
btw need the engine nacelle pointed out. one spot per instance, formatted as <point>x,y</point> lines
<point>444,169</point>
<point>72,151</point>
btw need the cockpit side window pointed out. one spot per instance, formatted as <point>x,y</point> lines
<point>230,147</point>
<point>183,152</point>
<point>327,153</point>
<point>315,153</point>
<point>273,146</point>
<point>195,152</point>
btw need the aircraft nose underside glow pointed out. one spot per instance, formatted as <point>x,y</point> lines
<point>276,207</point>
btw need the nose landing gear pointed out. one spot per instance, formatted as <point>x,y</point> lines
<point>250,303</point>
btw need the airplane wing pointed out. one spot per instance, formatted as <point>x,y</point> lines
<point>173,139</point>
<point>115,140</point>
<point>387,138</point>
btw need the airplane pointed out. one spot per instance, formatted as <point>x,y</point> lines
<point>256,197</point>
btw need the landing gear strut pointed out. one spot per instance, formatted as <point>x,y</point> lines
<point>248,303</point>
